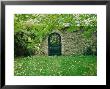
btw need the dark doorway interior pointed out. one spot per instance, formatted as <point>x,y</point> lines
<point>54,44</point>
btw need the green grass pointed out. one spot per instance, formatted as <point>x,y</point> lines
<point>55,66</point>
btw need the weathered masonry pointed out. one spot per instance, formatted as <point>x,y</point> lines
<point>67,43</point>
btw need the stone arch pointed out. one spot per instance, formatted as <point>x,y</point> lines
<point>44,47</point>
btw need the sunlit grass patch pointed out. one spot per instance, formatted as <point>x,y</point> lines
<point>55,66</point>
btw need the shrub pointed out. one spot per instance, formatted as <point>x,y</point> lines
<point>91,50</point>
<point>24,43</point>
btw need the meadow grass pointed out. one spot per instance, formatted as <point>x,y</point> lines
<point>55,66</point>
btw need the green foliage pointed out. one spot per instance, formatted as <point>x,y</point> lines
<point>90,51</point>
<point>55,66</point>
<point>32,29</point>
<point>55,40</point>
<point>24,44</point>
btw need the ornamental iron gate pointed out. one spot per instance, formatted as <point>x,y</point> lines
<point>54,44</point>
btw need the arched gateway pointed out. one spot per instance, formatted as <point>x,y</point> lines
<point>54,44</point>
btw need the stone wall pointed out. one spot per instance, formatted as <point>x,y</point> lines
<point>73,43</point>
